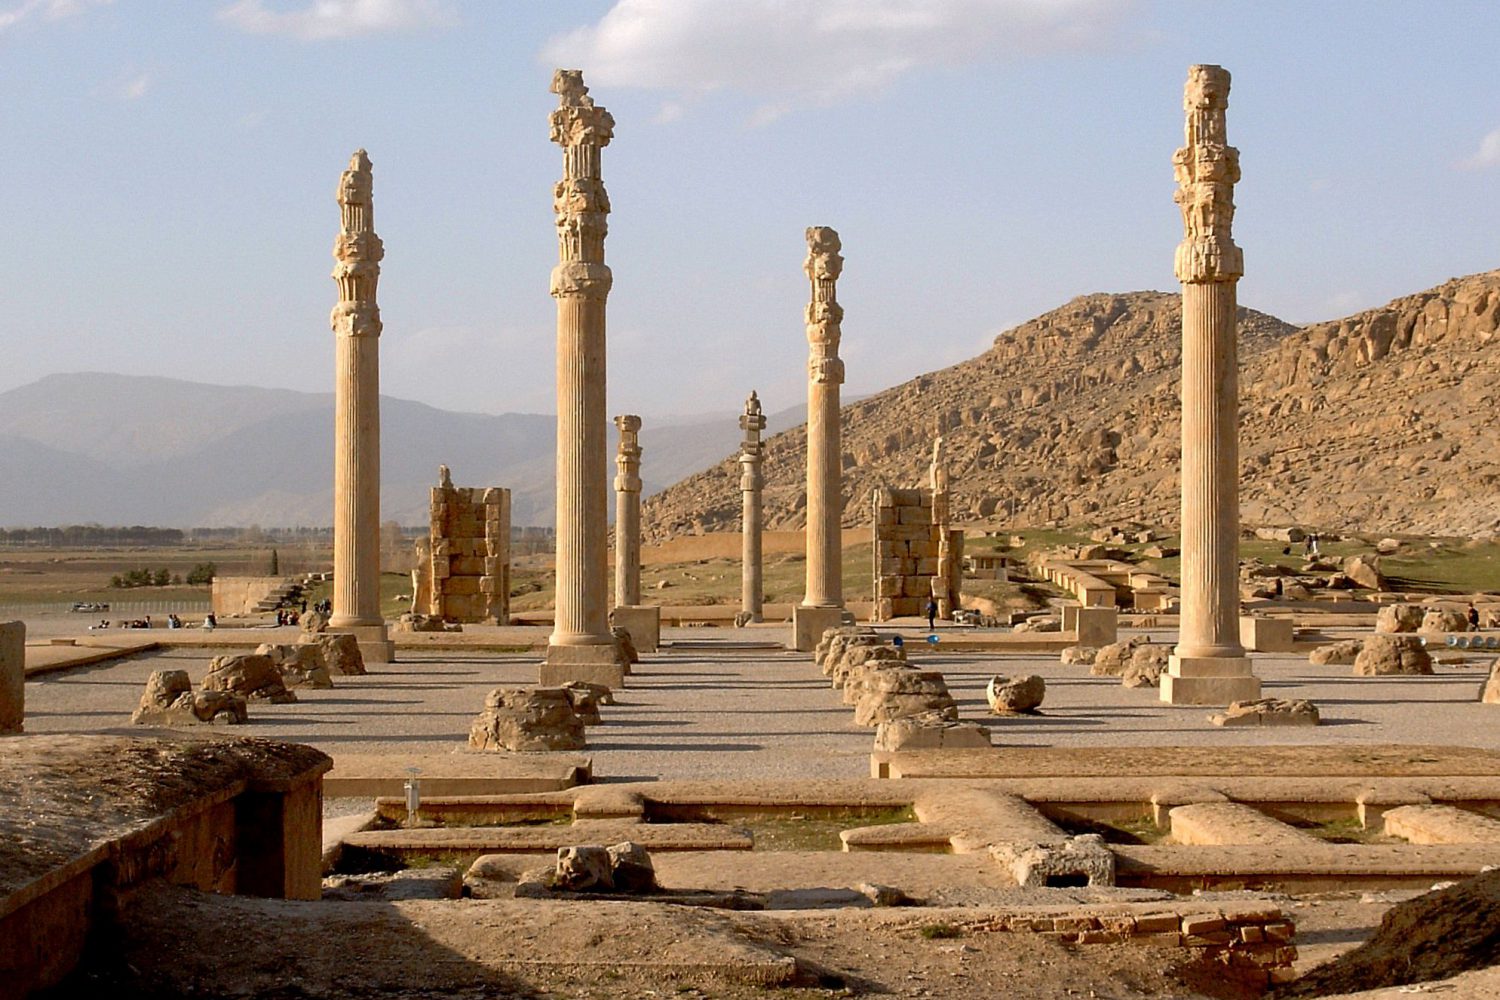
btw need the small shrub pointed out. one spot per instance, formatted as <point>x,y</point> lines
<point>935,932</point>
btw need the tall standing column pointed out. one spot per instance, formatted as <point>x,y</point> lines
<point>1209,666</point>
<point>581,646</point>
<point>356,446</point>
<point>628,512</point>
<point>943,590</point>
<point>823,603</point>
<point>752,584</point>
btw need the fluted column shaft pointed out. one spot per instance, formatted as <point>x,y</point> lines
<point>628,513</point>
<point>582,617</point>
<point>825,505</point>
<point>1209,620</point>
<point>356,483</point>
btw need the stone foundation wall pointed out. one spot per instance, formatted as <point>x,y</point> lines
<point>470,554</point>
<point>906,552</point>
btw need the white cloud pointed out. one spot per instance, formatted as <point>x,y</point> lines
<point>795,53</point>
<point>134,88</point>
<point>1488,154</point>
<point>318,20</point>
<point>52,10</point>
<point>669,112</point>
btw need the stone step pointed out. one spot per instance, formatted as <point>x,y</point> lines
<point>374,775</point>
<point>1216,823</point>
<point>1437,824</point>
<point>1324,867</point>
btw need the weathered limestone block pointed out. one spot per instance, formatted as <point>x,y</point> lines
<point>340,651</point>
<point>631,869</point>
<point>587,698</point>
<point>253,677</point>
<point>1365,572</point>
<point>899,692</point>
<point>527,720</point>
<point>1392,654</point>
<point>1038,625</point>
<point>1440,620</point>
<point>1399,618</point>
<point>1489,693</point>
<point>1116,659</point>
<point>642,622</point>
<point>1344,651</point>
<point>1268,712</point>
<point>930,731</point>
<point>851,658</point>
<point>1145,667</point>
<point>831,650</point>
<point>12,676</point>
<point>314,622</point>
<point>169,701</point>
<point>625,647</point>
<point>1076,861</point>
<point>415,622</point>
<point>301,664</point>
<point>1015,695</point>
<point>856,680</point>
<point>1440,824</point>
<point>1267,635</point>
<point>1074,655</point>
<point>583,869</point>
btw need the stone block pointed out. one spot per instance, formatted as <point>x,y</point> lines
<point>809,624</point>
<point>593,664</point>
<point>1202,680</point>
<point>916,586</point>
<point>1095,626</point>
<point>643,622</point>
<point>12,676</point>
<point>462,585</point>
<point>1266,635</point>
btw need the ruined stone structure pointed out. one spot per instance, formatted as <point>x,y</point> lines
<point>1209,666</point>
<point>752,482</point>
<point>628,512</point>
<point>910,546</point>
<point>947,581</point>
<point>823,604</point>
<point>468,561</point>
<point>582,646</point>
<point>356,441</point>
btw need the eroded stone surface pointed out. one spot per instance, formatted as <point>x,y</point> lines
<point>1078,654</point>
<point>252,676</point>
<point>1342,652</point>
<point>1399,618</point>
<point>899,692</point>
<point>1268,712</point>
<point>1489,692</point>
<point>1392,654</point>
<point>301,664</point>
<point>169,700</point>
<point>340,652</point>
<point>1012,695</point>
<point>528,720</point>
<point>929,731</point>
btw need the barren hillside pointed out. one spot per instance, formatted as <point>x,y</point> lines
<point>1381,421</point>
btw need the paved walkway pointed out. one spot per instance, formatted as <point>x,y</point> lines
<point>714,711</point>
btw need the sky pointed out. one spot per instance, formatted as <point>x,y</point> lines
<point>168,170</point>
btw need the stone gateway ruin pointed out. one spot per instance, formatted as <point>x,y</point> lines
<point>468,569</point>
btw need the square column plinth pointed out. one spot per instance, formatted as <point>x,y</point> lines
<point>599,663</point>
<point>643,622</point>
<point>1208,680</point>
<point>375,644</point>
<point>809,624</point>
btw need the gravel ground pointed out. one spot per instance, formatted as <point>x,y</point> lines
<point>716,711</point>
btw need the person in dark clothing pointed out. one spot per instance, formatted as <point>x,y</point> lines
<point>1473,617</point>
<point>932,610</point>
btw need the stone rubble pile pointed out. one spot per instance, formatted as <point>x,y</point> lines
<point>169,700</point>
<point>252,676</point>
<point>1392,654</point>
<point>300,664</point>
<point>340,652</point>
<point>623,868</point>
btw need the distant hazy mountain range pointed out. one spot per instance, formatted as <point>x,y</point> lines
<point>124,449</point>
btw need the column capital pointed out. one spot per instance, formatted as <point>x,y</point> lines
<point>577,121</point>
<point>358,252</point>
<point>1207,168</point>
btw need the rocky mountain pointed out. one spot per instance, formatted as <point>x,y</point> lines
<point>119,449</point>
<point>1380,421</point>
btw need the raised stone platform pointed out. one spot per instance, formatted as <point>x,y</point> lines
<point>371,775</point>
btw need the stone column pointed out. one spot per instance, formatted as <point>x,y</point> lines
<point>822,606</point>
<point>356,443</point>
<point>628,512</point>
<point>1209,666</point>
<point>12,677</point>
<point>752,583</point>
<point>581,646</point>
<point>943,591</point>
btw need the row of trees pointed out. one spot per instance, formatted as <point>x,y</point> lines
<point>76,535</point>
<point>201,575</point>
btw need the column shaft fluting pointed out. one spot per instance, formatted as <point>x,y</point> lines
<point>752,481</point>
<point>825,506</point>
<point>580,283</point>
<point>356,464</point>
<point>628,512</point>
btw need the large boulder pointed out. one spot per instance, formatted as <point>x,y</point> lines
<point>853,661</point>
<point>340,652</point>
<point>1344,651</point>
<point>1392,654</point>
<point>169,700</point>
<point>1441,620</point>
<point>1147,664</point>
<point>1364,571</point>
<point>301,664</point>
<point>314,623</point>
<point>252,676</point>
<point>584,868</point>
<point>527,720</point>
<point>902,691</point>
<point>631,868</point>
<point>1268,712</point>
<point>1015,695</point>
<point>1111,660</point>
<point>1399,618</point>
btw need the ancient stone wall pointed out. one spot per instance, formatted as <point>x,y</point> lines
<point>906,552</point>
<point>470,556</point>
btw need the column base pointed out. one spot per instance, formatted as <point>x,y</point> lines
<point>375,644</point>
<point>592,664</point>
<point>1208,680</point>
<point>809,624</point>
<point>643,622</point>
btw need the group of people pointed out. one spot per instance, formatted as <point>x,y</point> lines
<point>290,616</point>
<point>173,621</point>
